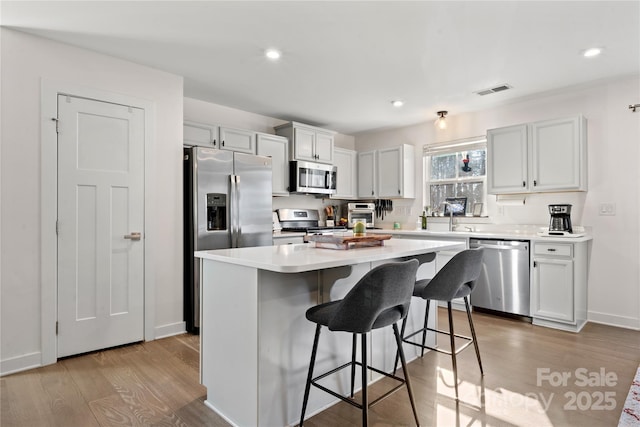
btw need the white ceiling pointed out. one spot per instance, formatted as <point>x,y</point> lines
<point>344,62</point>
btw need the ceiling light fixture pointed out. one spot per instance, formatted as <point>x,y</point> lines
<point>272,54</point>
<point>592,52</point>
<point>397,103</point>
<point>440,122</point>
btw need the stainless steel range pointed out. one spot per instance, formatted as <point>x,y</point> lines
<point>304,220</point>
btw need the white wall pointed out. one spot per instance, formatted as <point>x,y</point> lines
<point>25,61</point>
<point>205,112</point>
<point>613,149</point>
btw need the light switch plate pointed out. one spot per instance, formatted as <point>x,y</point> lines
<point>607,209</point>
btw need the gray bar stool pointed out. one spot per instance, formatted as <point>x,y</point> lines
<point>380,298</point>
<point>455,280</point>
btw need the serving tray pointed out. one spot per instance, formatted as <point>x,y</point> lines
<point>347,242</point>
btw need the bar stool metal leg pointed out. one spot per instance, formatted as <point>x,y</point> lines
<point>452,339</point>
<point>365,401</point>
<point>307,387</point>
<point>424,331</point>
<point>353,361</point>
<point>405,372</point>
<point>473,333</point>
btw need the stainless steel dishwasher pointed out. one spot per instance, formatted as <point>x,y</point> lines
<point>504,282</point>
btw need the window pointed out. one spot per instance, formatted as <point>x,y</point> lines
<point>455,169</point>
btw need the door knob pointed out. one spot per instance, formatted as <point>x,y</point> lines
<point>133,236</point>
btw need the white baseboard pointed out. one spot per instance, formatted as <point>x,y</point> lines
<point>20,363</point>
<point>613,320</point>
<point>170,330</point>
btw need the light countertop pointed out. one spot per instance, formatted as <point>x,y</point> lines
<point>522,233</point>
<point>305,257</point>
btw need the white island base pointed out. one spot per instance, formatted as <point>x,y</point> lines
<point>255,339</point>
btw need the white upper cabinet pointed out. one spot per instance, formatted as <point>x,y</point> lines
<point>396,172</point>
<point>545,156</point>
<point>240,140</point>
<point>559,154</point>
<point>200,134</point>
<point>346,162</point>
<point>507,160</point>
<point>214,136</point>
<point>276,147</point>
<point>308,143</point>
<point>367,174</point>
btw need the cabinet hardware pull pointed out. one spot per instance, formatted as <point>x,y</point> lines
<point>223,142</point>
<point>551,249</point>
<point>398,191</point>
<point>214,142</point>
<point>524,183</point>
<point>535,182</point>
<point>133,236</point>
<point>535,264</point>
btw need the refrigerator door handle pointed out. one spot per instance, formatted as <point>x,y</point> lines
<point>233,211</point>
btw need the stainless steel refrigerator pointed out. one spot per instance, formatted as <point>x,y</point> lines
<point>227,204</point>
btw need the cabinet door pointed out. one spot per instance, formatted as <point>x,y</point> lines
<point>303,144</point>
<point>552,289</point>
<point>277,148</point>
<point>507,160</point>
<point>324,147</point>
<point>390,172</point>
<point>346,162</point>
<point>557,154</point>
<point>238,140</point>
<point>200,134</point>
<point>367,174</point>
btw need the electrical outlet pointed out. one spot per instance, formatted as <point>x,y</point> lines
<point>607,209</point>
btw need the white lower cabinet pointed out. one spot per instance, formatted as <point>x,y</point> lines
<point>559,285</point>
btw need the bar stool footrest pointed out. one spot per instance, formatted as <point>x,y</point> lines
<point>439,350</point>
<point>350,400</point>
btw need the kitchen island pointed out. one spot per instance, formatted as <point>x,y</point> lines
<point>255,339</point>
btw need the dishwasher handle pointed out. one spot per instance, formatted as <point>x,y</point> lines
<point>508,245</point>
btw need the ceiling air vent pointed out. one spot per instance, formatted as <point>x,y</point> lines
<point>495,89</point>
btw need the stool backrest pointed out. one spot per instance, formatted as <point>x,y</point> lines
<point>382,295</point>
<point>458,276</point>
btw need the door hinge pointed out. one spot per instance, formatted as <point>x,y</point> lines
<point>56,227</point>
<point>56,327</point>
<point>57,123</point>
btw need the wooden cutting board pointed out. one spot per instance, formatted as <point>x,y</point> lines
<point>330,241</point>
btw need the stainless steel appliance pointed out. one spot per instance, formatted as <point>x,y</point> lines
<point>560,221</point>
<point>504,282</point>
<point>361,211</point>
<point>304,220</point>
<point>227,204</point>
<point>310,177</point>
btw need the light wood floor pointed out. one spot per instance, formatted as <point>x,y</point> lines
<point>156,383</point>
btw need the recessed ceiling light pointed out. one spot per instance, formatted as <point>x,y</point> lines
<point>397,103</point>
<point>272,54</point>
<point>590,53</point>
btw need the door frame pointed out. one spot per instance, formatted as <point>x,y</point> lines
<point>49,197</point>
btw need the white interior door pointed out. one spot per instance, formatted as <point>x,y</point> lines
<point>100,225</point>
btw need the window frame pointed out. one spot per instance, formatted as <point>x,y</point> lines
<point>453,147</point>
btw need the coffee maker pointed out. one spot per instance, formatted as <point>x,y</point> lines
<point>560,219</point>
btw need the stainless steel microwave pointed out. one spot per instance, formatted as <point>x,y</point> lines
<point>310,177</point>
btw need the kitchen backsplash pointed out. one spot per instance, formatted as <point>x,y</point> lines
<point>534,210</point>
